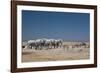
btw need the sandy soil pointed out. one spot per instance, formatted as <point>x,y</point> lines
<point>31,55</point>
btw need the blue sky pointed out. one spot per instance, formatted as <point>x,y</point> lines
<point>55,25</point>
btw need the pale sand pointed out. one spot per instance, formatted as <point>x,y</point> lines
<point>31,55</point>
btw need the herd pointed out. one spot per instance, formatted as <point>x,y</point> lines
<point>44,43</point>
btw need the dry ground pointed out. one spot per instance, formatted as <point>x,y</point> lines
<point>31,55</point>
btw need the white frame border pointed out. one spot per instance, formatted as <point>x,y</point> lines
<point>52,63</point>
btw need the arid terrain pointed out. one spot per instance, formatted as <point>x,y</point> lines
<point>55,54</point>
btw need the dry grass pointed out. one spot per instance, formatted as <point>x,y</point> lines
<point>31,55</point>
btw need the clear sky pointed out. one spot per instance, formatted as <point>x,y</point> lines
<point>55,25</point>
